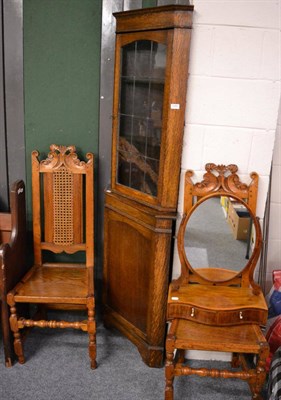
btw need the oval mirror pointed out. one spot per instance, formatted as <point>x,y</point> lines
<point>219,233</point>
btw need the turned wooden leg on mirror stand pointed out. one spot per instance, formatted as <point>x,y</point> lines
<point>259,381</point>
<point>170,363</point>
<point>169,376</point>
<point>18,347</point>
<point>173,358</point>
<point>170,360</point>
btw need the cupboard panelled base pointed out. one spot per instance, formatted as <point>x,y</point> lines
<point>136,273</point>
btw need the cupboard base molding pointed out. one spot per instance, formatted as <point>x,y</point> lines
<point>152,356</point>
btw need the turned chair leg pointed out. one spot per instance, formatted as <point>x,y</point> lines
<point>18,347</point>
<point>169,375</point>
<point>261,372</point>
<point>92,333</point>
<point>92,350</point>
<point>170,363</point>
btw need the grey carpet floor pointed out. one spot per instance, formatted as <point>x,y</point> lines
<point>57,368</point>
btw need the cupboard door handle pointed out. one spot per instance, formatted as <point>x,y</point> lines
<point>240,315</point>
<point>192,312</point>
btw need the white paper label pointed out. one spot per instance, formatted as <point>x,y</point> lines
<point>175,106</point>
<point>175,298</point>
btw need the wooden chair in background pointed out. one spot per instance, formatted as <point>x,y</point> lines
<point>13,259</point>
<point>63,221</point>
<point>217,306</point>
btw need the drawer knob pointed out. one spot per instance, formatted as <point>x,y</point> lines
<point>241,315</point>
<point>192,312</point>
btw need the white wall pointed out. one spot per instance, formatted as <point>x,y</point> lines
<point>233,90</point>
<point>274,242</point>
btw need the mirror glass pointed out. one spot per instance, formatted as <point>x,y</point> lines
<point>219,234</point>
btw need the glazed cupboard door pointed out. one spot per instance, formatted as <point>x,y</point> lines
<point>150,84</point>
<point>141,63</point>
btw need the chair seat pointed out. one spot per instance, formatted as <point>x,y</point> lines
<point>191,335</point>
<point>57,284</point>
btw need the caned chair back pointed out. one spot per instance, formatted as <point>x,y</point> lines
<point>63,204</point>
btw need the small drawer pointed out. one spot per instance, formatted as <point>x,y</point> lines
<point>243,316</point>
<point>191,313</point>
<point>216,317</point>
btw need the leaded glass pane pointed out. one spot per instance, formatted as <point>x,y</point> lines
<point>140,115</point>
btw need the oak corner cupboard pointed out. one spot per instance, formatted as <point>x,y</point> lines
<point>150,84</point>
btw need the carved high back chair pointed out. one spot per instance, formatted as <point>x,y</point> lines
<point>63,221</point>
<point>215,304</point>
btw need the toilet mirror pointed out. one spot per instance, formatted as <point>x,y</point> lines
<point>219,233</point>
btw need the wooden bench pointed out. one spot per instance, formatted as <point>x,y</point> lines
<point>13,258</point>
